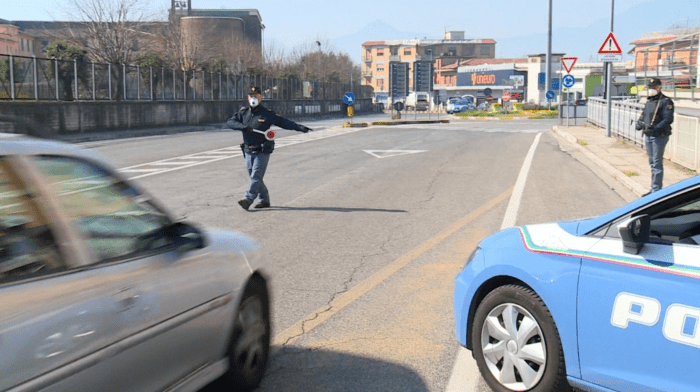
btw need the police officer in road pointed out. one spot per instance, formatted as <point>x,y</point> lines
<point>655,122</point>
<point>253,121</point>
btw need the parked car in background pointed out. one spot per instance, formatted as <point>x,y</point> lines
<point>461,105</point>
<point>101,288</point>
<point>419,101</point>
<point>581,102</point>
<point>484,106</point>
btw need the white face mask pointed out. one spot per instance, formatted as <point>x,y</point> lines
<point>653,91</point>
<point>253,101</point>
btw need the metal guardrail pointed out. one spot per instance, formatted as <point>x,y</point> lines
<point>625,113</point>
<point>38,79</point>
<point>674,61</point>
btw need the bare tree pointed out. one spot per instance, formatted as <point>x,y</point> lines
<point>110,30</point>
<point>242,55</point>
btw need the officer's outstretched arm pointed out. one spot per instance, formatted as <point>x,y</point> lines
<point>286,124</point>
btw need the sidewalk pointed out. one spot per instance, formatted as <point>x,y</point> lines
<point>623,161</point>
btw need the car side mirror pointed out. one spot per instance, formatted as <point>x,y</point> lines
<point>188,237</point>
<point>634,233</point>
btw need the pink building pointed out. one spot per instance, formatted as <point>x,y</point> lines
<point>15,42</point>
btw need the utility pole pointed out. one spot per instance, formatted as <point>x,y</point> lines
<point>318,67</point>
<point>548,70</point>
<point>608,82</point>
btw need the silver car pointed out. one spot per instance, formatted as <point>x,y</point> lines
<point>102,290</point>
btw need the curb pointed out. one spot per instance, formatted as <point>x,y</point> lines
<point>395,122</point>
<point>608,168</point>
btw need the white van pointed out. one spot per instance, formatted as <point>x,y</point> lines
<point>417,100</point>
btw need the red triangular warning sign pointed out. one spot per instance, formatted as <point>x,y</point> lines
<point>610,46</point>
<point>568,63</point>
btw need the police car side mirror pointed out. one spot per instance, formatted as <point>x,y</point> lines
<point>634,233</point>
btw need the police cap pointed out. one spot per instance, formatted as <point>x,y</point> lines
<point>654,82</point>
<point>254,91</point>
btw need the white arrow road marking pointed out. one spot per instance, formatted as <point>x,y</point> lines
<point>391,153</point>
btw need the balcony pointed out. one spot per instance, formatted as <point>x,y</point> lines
<point>367,58</point>
<point>366,74</point>
<point>394,57</point>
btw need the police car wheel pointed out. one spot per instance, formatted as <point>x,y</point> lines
<point>250,341</point>
<point>516,343</point>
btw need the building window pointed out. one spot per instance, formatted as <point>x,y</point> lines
<point>380,52</point>
<point>380,67</point>
<point>407,51</point>
<point>485,50</point>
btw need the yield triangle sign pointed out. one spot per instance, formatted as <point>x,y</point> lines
<point>568,63</point>
<point>610,46</point>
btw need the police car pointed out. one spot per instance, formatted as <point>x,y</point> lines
<point>610,303</point>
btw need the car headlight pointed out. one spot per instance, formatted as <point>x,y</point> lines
<point>472,256</point>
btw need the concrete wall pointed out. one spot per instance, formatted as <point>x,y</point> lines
<point>48,119</point>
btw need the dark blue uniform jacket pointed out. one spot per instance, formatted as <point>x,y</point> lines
<point>262,119</point>
<point>664,114</point>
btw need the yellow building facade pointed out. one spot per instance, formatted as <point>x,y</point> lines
<point>378,56</point>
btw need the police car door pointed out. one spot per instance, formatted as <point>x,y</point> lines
<point>639,315</point>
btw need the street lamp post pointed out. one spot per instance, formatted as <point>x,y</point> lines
<point>318,66</point>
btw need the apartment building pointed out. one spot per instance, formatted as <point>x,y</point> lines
<point>16,42</point>
<point>396,67</point>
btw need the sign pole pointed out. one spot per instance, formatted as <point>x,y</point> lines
<point>608,129</point>
<point>568,90</point>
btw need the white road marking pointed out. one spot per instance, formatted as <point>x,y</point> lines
<point>391,153</point>
<point>204,157</point>
<point>514,203</point>
<point>465,374</point>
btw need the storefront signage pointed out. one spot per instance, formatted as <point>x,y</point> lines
<point>485,78</point>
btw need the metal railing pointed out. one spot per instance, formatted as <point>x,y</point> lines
<point>675,62</point>
<point>684,144</point>
<point>625,113</point>
<point>37,79</point>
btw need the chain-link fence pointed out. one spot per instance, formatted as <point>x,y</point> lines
<point>674,61</point>
<point>33,78</point>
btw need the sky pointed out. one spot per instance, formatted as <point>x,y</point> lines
<point>298,23</point>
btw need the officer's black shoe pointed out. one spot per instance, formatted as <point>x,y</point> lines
<point>647,194</point>
<point>244,203</point>
<point>262,204</point>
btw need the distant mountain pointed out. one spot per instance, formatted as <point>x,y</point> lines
<point>582,42</point>
<point>374,31</point>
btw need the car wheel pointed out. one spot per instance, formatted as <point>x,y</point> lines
<point>516,343</point>
<point>250,341</point>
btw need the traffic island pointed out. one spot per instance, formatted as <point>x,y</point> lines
<point>395,122</point>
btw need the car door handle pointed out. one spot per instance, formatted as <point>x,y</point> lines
<point>127,298</point>
<point>129,302</point>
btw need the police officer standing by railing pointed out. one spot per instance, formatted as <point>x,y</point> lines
<point>254,120</point>
<point>655,122</point>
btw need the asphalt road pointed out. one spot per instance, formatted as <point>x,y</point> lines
<point>368,228</point>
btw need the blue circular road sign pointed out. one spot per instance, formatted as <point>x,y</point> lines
<point>349,98</point>
<point>568,81</point>
<point>550,94</point>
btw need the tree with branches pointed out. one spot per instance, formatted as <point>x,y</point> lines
<point>109,30</point>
